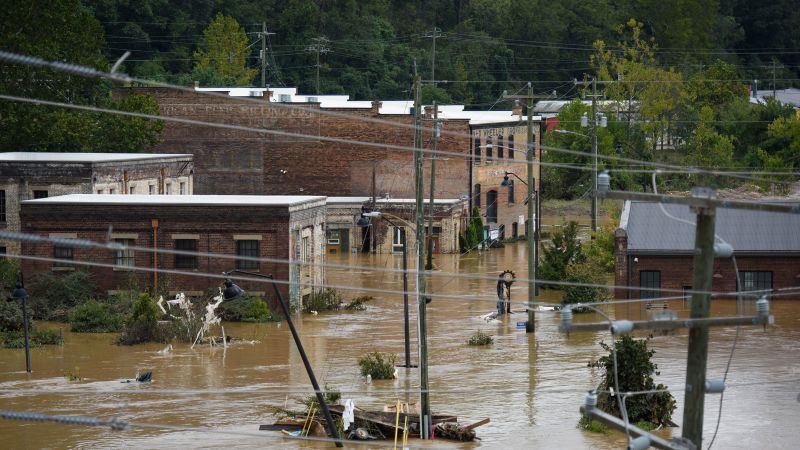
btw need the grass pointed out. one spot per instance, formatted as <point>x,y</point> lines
<point>480,338</point>
<point>380,366</point>
<point>324,300</point>
<point>37,338</point>
<point>593,426</point>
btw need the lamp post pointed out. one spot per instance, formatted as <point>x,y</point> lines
<point>233,291</point>
<point>21,294</point>
<point>406,326</point>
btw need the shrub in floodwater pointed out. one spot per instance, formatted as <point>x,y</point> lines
<point>635,371</point>
<point>331,398</point>
<point>37,338</point>
<point>93,317</point>
<point>143,323</point>
<point>593,426</point>
<point>10,315</point>
<point>53,295</point>
<point>380,366</point>
<point>359,303</point>
<point>246,309</point>
<point>480,338</point>
<point>73,375</point>
<point>324,300</point>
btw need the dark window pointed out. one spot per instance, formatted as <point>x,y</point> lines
<point>62,252</point>
<point>491,207</point>
<point>124,257</point>
<point>687,295</point>
<point>247,249</point>
<point>500,147</point>
<point>650,283</point>
<point>477,146</point>
<point>39,194</point>
<point>755,281</point>
<point>186,261</point>
<point>488,149</point>
<point>514,230</point>
<point>510,191</point>
<point>502,229</point>
<point>2,253</point>
<point>2,206</point>
<point>477,197</point>
<point>511,147</point>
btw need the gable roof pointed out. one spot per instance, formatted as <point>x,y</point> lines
<point>651,231</point>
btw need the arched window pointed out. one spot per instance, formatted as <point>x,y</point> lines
<point>510,191</point>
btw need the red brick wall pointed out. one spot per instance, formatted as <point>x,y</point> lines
<point>676,272</point>
<point>239,162</point>
<point>215,226</point>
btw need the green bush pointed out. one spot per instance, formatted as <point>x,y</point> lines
<point>474,234</point>
<point>324,300</point>
<point>145,309</point>
<point>359,303</point>
<point>586,273</point>
<point>246,309</point>
<point>52,295</point>
<point>10,315</point>
<point>593,426</point>
<point>143,324</point>
<point>93,317</point>
<point>9,274</point>
<point>37,338</point>
<point>564,249</point>
<point>480,338</point>
<point>635,371</point>
<point>380,366</point>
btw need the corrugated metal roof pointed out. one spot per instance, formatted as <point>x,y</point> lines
<point>650,230</point>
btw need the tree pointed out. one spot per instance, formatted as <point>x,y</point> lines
<point>64,31</point>
<point>222,57</point>
<point>564,249</point>
<point>708,148</point>
<point>635,371</point>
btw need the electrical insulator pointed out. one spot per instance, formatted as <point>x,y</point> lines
<point>723,250</point>
<point>566,319</point>
<point>603,121</point>
<point>584,121</point>
<point>621,327</point>
<point>603,183</point>
<point>591,401</point>
<point>640,443</point>
<point>762,306</point>
<point>716,386</point>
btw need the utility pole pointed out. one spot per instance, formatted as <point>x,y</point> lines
<point>263,35</point>
<point>697,358</point>
<point>435,138</point>
<point>320,45</point>
<point>531,228</point>
<point>422,325</point>
<point>374,232</point>
<point>433,34</point>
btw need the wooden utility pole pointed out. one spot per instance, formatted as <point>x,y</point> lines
<point>320,45</point>
<point>436,32</point>
<point>264,33</point>
<point>435,139</point>
<point>422,325</point>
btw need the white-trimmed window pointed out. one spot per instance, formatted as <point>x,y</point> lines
<point>398,236</point>
<point>125,257</point>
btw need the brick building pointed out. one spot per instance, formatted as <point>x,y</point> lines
<point>344,234</point>
<point>656,252</point>
<point>28,175</point>
<point>288,228</point>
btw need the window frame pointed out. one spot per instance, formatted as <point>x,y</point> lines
<point>185,261</point>
<point>63,253</point>
<point>125,258</point>
<point>477,151</point>
<point>40,193</point>
<point>2,205</point>
<point>397,238</point>
<point>651,283</point>
<point>510,144</point>
<point>756,284</point>
<point>253,252</point>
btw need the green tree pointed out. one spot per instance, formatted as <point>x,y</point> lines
<point>635,371</point>
<point>708,148</point>
<point>563,249</point>
<point>222,56</point>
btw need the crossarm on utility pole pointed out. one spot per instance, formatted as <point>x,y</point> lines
<point>679,323</point>
<point>619,424</point>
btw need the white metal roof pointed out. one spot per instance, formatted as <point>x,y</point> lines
<point>179,200</point>
<point>84,157</point>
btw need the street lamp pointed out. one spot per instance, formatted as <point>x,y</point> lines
<point>233,291</point>
<point>599,120</point>
<point>405,283</point>
<point>21,294</point>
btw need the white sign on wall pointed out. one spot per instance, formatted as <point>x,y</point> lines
<point>494,234</point>
<point>521,220</point>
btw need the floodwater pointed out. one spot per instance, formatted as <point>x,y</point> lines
<point>530,386</point>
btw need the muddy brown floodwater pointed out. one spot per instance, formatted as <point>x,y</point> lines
<point>531,389</point>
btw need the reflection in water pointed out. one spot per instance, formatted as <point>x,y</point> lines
<point>531,390</point>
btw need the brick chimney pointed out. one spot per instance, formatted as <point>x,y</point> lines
<point>193,84</point>
<point>376,107</point>
<point>267,95</point>
<point>429,112</point>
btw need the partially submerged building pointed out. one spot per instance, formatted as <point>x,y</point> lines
<point>287,230</point>
<point>655,251</point>
<point>34,175</point>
